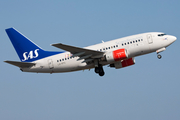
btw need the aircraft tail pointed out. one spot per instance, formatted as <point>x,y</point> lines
<point>25,48</point>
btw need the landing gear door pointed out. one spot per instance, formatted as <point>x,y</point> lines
<point>149,38</point>
<point>50,63</point>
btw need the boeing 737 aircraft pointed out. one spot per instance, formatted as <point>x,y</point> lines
<point>117,53</point>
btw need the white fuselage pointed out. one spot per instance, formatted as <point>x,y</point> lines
<point>135,45</point>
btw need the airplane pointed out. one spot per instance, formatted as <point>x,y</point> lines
<point>118,53</point>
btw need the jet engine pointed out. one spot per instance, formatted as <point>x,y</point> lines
<point>116,55</point>
<point>123,63</point>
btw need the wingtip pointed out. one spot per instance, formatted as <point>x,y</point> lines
<point>6,61</point>
<point>51,44</point>
<point>56,44</point>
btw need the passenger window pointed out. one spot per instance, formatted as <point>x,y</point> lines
<point>139,40</point>
<point>103,48</point>
<point>106,48</point>
<point>116,45</point>
<point>109,48</point>
<point>62,59</point>
<point>128,42</point>
<point>57,60</point>
<point>122,44</point>
<point>131,42</point>
<point>136,40</point>
<point>125,43</point>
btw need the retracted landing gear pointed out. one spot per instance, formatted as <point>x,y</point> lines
<point>99,70</point>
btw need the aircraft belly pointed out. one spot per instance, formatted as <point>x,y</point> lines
<point>70,66</point>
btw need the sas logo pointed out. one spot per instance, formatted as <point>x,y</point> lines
<point>31,55</point>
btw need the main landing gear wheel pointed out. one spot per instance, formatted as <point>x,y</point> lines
<point>99,70</point>
<point>96,70</point>
<point>159,56</point>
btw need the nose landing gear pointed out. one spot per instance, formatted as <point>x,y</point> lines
<point>159,56</point>
<point>160,50</point>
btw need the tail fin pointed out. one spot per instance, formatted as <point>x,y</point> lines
<point>25,48</point>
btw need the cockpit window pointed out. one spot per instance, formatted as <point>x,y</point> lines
<point>161,34</point>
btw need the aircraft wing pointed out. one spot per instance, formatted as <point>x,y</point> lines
<point>20,64</point>
<point>83,53</point>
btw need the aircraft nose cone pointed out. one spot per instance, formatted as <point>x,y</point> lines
<point>173,39</point>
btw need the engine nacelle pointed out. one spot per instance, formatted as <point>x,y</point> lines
<point>123,63</point>
<point>116,55</point>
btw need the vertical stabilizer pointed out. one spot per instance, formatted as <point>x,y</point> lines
<point>25,48</point>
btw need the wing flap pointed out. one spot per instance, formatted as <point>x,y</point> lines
<point>20,64</point>
<point>84,57</point>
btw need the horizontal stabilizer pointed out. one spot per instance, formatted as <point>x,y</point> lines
<point>20,64</point>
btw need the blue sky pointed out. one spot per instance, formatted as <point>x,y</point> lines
<point>148,90</point>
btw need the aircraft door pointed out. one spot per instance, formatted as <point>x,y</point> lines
<point>149,38</point>
<point>50,63</point>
